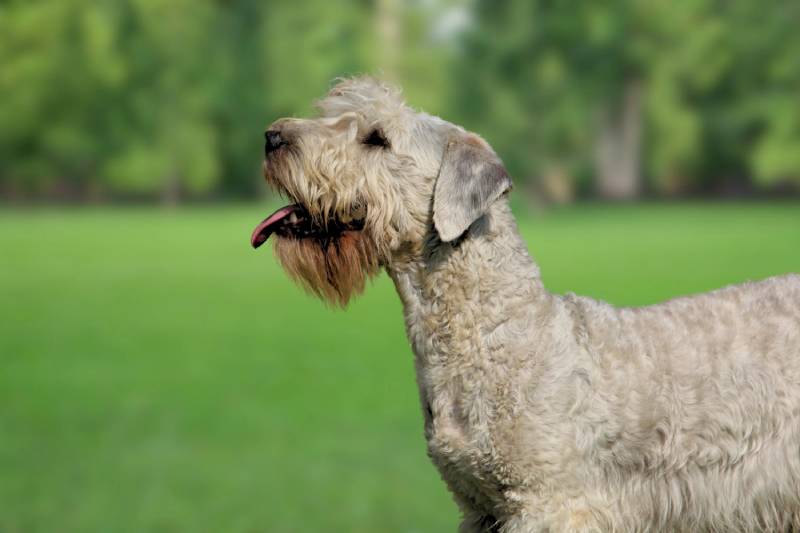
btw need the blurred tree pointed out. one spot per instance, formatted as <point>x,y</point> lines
<point>765,88</point>
<point>569,89</point>
<point>388,26</point>
<point>167,99</point>
<point>167,146</point>
<point>429,38</point>
<point>715,92</point>
<point>562,86</point>
<point>240,101</point>
<point>114,97</point>
<point>45,125</point>
<point>160,98</point>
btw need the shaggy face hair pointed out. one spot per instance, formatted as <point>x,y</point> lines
<point>363,172</point>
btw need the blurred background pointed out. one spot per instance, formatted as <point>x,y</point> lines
<point>158,375</point>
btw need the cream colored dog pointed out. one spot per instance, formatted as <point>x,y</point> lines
<point>542,412</point>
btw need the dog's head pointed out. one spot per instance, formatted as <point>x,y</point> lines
<point>370,180</point>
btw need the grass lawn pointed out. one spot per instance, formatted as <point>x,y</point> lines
<point>158,375</point>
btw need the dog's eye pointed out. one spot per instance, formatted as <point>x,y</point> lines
<point>376,138</point>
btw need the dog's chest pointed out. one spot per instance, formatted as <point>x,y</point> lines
<point>467,399</point>
<point>469,467</point>
<point>462,418</point>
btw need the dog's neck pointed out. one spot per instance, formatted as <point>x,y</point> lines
<point>450,287</point>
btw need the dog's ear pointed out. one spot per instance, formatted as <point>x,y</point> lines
<point>470,179</point>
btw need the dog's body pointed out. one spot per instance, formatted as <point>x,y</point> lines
<point>549,413</point>
<point>542,412</point>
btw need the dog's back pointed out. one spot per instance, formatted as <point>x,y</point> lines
<point>693,406</point>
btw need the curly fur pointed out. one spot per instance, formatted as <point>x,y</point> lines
<point>549,413</point>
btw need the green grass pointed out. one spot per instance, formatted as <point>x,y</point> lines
<point>158,375</point>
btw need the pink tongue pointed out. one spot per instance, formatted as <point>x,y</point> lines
<point>263,230</point>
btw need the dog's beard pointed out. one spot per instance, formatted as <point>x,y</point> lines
<point>334,269</point>
<point>333,263</point>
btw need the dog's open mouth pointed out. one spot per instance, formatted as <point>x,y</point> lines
<point>294,221</point>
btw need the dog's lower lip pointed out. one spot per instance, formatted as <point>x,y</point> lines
<point>293,221</point>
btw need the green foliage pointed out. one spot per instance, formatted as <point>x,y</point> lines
<point>168,98</point>
<point>159,98</point>
<point>721,85</point>
<point>777,153</point>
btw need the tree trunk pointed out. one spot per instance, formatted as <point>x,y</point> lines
<point>618,148</point>
<point>388,28</point>
<point>171,192</point>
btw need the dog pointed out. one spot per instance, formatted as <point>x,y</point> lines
<point>543,413</point>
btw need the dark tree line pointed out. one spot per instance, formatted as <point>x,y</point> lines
<point>167,99</point>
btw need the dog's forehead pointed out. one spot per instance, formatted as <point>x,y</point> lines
<point>377,104</point>
<point>370,99</point>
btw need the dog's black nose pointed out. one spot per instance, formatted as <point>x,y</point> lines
<point>273,141</point>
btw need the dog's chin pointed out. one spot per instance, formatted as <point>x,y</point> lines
<point>333,259</point>
<point>335,268</point>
